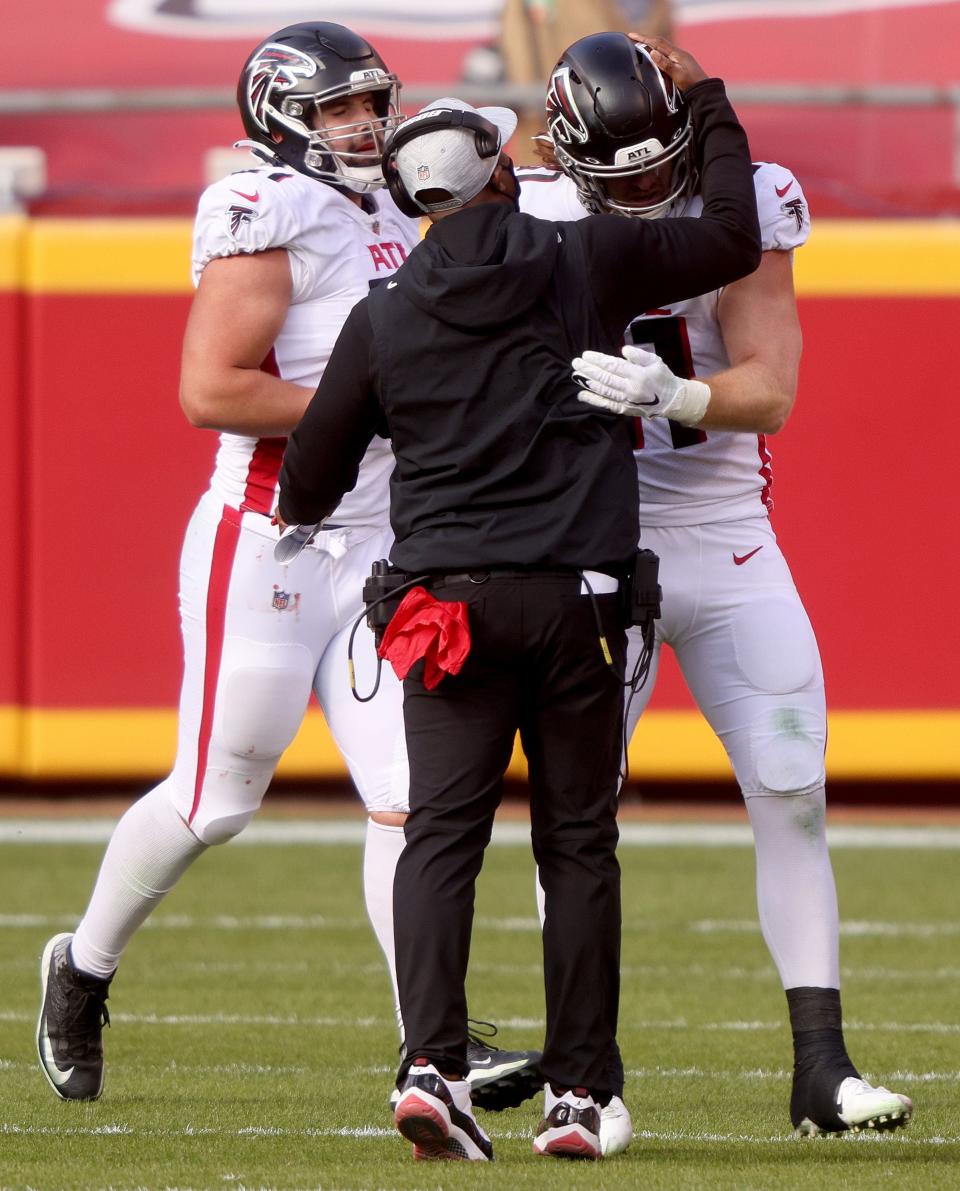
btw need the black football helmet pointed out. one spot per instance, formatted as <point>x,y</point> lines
<point>295,71</point>
<point>612,114</point>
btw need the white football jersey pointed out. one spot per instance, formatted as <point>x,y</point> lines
<point>688,476</point>
<point>337,252</point>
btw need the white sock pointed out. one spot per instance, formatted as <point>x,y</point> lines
<point>150,849</point>
<point>380,855</point>
<point>796,895</point>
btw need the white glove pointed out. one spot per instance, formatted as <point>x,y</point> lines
<point>292,541</point>
<point>639,385</point>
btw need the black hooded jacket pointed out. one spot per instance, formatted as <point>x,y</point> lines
<point>463,359</point>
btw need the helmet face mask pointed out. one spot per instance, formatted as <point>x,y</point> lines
<point>352,146</point>
<point>297,97</point>
<point>620,128</point>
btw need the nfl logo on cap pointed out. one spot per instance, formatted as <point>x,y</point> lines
<point>423,173</point>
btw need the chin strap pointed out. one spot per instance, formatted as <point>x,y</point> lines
<point>260,151</point>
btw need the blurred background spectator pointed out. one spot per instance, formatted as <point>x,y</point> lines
<point>535,33</point>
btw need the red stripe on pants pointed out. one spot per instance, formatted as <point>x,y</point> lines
<point>221,566</point>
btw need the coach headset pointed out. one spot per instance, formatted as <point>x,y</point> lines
<point>486,140</point>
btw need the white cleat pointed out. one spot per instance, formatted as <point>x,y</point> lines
<point>616,1127</point>
<point>861,1106</point>
<point>571,1125</point>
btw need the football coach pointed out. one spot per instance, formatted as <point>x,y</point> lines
<point>516,505</point>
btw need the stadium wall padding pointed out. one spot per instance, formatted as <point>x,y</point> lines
<point>14,518</point>
<point>102,471</point>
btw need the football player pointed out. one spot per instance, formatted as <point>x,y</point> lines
<point>281,252</point>
<point>707,380</point>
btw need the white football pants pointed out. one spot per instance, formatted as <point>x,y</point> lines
<point>746,649</point>
<point>258,636</point>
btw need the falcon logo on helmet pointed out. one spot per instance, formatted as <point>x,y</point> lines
<point>287,93</point>
<point>563,117</point>
<point>275,68</point>
<point>620,128</point>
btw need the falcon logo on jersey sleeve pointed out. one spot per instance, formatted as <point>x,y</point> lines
<point>563,115</point>
<point>238,217</point>
<point>797,208</point>
<point>278,68</point>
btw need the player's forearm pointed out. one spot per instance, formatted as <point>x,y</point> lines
<point>750,396</point>
<point>243,401</point>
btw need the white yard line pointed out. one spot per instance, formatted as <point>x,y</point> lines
<point>230,922</point>
<point>915,930</point>
<point>759,1075</point>
<point>368,1131</point>
<point>518,1023</point>
<point>762,974</point>
<point>246,1070</point>
<point>353,832</point>
<point>319,922</point>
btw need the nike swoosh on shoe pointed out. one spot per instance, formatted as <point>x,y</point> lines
<point>50,1064</point>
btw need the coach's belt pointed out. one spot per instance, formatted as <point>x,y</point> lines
<point>600,583</point>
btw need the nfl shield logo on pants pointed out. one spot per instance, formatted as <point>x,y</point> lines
<point>281,600</point>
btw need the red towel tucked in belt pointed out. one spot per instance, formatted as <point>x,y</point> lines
<point>434,630</point>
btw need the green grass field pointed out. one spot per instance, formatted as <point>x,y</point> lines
<point>252,1044</point>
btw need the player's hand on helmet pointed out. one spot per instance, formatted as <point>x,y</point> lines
<point>639,385</point>
<point>682,67</point>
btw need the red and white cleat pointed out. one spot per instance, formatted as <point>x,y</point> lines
<point>435,1114</point>
<point>571,1125</point>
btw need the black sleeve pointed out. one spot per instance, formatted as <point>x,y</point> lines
<point>323,454</point>
<point>637,264</point>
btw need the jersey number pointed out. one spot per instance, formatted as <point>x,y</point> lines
<point>667,336</point>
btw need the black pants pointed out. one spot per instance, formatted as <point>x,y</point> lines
<point>535,666</point>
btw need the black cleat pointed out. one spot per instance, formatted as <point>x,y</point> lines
<point>73,1013</point>
<point>500,1079</point>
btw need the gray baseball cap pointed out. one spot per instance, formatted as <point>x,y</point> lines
<point>447,159</point>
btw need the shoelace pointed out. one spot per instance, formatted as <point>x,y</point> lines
<point>479,1036</point>
<point>82,1011</point>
